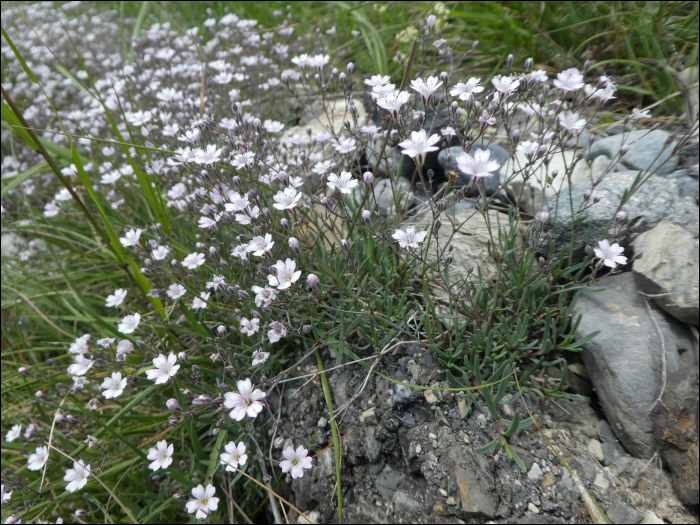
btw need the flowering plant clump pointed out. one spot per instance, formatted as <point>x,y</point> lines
<point>205,245</point>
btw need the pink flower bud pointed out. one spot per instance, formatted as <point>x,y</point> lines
<point>173,405</point>
<point>257,123</point>
<point>313,281</point>
<point>366,216</point>
<point>284,223</point>
<point>221,329</point>
<point>294,245</point>
<point>543,217</point>
<point>624,149</point>
<point>621,216</point>
<point>369,179</point>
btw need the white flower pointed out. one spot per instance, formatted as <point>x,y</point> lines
<point>77,476</point>
<point>246,218</point>
<point>505,85</point>
<point>419,145</point>
<point>241,160</point>
<point>295,460</point>
<point>106,342</point>
<point>117,298</point>
<point>287,199</point>
<point>250,327</point>
<point>240,251</point>
<point>131,238</point>
<point>259,245</point>
<point>569,80</point>
<point>217,282</point>
<point>80,366</point>
<point>193,261</point>
<point>129,324</point>
<point>113,386</point>
<point>175,291</point>
<point>638,114</point>
<point>377,80</point>
<point>409,238</point>
<point>610,255</point>
<point>160,253</point>
<point>234,456</point>
<point>162,455</point>
<point>277,332</point>
<point>244,402</point>
<point>528,148</point>
<point>37,460</point>
<point>177,191</point>
<point>478,166</point>
<point>80,346</point>
<point>321,168</point>
<point>125,347</point>
<point>345,145</point>
<point>393,102</point>
<point>5,495</point>
<point>383,90</point>
<point>264,296</point>
<point>165,368</point>
<point>260,357</point>
<point>345,183</point>
<point>200,302</point>
<point>286,274</point>
<point>272,126</point>
<point>237,202</point>
<point>211,155</point>
<point>538,75</point>
<point>51,209</point>
<point>204,501</point>
<point>14,433</point>
<point>426,88</point>
<point>571,122</point>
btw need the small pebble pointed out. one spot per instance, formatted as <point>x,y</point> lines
<point>533,508</point>
<point>444,493</point>
<point>451,501</point>
<point>596,449</point>
<point>322,422</point>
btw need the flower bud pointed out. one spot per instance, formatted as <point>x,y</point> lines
<point>366,216</point>
<point>369,179</point>
<point>313,281</point>
<point>182,356</point>
<point>201,400</point>
<point>173,405</point>
<point>586,195</point>
<point>257,123</point>
<point>294,245</point>
<point>243,295</point>
<point>444,77</point>
<point>256,231</point>
<point>586,66</point>
<point>350,68</point>
<point>515,135</point>
<point>624,149</point>
<point>342,78</point>
<point>278,442</point>
<point>588,249</point>
<point>597,198</point>
<point>172,421</point>
<point>437,224</point>
<point>345,245</point>
<point>284,223</point>
<point>621,216</point>
<point>639,255</point>
<point>541,260</point>
<point>283,177</point>
<point>449,259</point>
<point>221,329</point>
<point>543,217</point>
<point>509,61</point>
<point>529,64</point>
<point>306,329</point>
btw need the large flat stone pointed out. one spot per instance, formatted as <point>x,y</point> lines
<point>646,151</point>
<point>625,360</point>
<point>654,202</point>
<point>669,270</point>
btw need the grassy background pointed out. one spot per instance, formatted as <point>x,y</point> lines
<point>557,35</point>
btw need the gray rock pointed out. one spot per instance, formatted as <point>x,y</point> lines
<point>473,485</point>
<point>644,149</point>
<point>492,183</point>
<point>669,270</point>
<point>617,128</point>
<point>406,503</point>
<point>621,513</point>
<point>387,482</point>
<point>654,202</point>
<point>624,359</point>
<point>687,185</point>
<point>583,140</point>
<point>373,447</point>
<point>535,473</point>
<point>386,192</point>
<point>605,433</point>
<point>612,451</point>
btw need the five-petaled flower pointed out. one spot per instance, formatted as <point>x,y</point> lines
<point>419,145</point>
<point>37,460</point>
<point>234,456</point>
<point>285,276</point>
<point>203,501</point>
<point>116,299</point>
<point>345,183</point>
<point>610,255</point>
<point>193,260</point>
<point>409,238</point>
<point>296,461</point>
<point>113,386</point>
<point>478,166</point>
<point>77,476</point>
<point>129,323</point>
<point>165,368</point>
<point>246,402</point>
<point>161,455</point>
<point>287,199</point>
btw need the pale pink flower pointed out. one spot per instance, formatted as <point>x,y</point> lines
<point>175,291</point>
<point>165,368</point>
<point>260,357</point>
<point>479,166</point>
<point>569,80</point>
<point>409,238</point>
<point>80,345</point>
<point>377,80</point>
<point>610,255</point>
<point>113,386</point>
<point>571,122</point>
<point>277,331</point>
<point>116,299</point>
<point>250,327</point>
<point>287,274</point>
<point>287,199</point>
<point>426,88</point>
<point>345,182</point>
<point>193,260</point>
<point>419,145</point>
<point>345,145</point>
<point>465,91</point>
<point>129,323</point>
<point>505,85</point>
<point>264,296</point>
<point>259,245</point>
<point>246,402</point>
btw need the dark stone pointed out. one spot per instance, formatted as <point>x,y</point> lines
<point>612,451</point>
<point>676,432</point>
<point>373,447</point>
<point>621,513</point>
